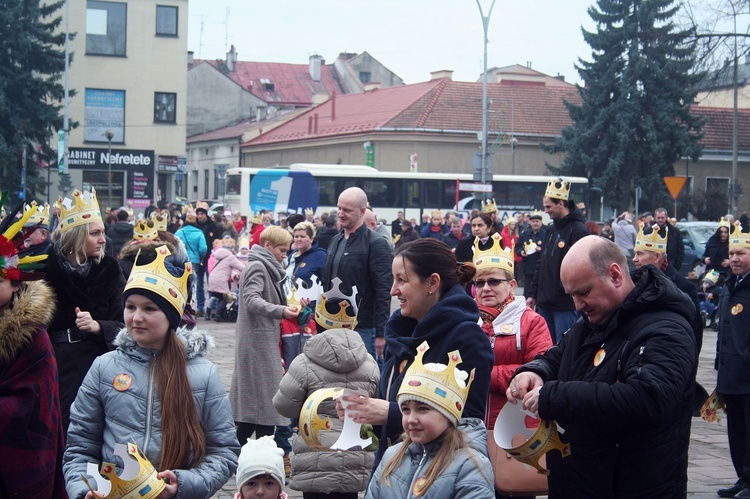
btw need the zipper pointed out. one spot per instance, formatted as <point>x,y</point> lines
<point>416,476</point>
<point>149,407</point>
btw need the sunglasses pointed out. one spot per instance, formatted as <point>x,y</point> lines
<point>492,282</point>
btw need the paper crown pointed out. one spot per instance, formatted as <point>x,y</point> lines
<point>652,242</point>
<point>309,211</point>
<point>558,188</point>
<point>201,205</point>
<point>297,291</point>
<point>227,242</point>
<point>443,387</point>
<point>156,278</point>
<point>342,319</point>
<point>737,238</point>
<point>495,257</point>
<point>26,268</point>
<point>724,223</point>
<point>145,230</point>
<point>529,247</point>
<point>489,206</point>
<point>310,424</point>
<point>82,209</point>
<point>436,214</point>
<point>256,219</point>
<point>537,214</point>
<point>161,220</point>
<point>39,215</point>
<point>137,480</point>
<point>243,242</point>
<point>712,277</point>
<point>510,220</point>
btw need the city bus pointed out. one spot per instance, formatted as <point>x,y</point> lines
<point>293,188</point>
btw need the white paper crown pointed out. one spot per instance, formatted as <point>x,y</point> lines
<point>82,209</point>
<point>343,319</point>
<point>652,242</point>
<point>137,480</point>
<point>298,291</point>
<point>558,188</point>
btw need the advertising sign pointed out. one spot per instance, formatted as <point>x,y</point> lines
<point>287,191</point>
<point>104,110</point>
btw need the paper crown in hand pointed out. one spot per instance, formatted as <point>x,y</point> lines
<point>297,291</point>
<point>156,278</point>
<point>493,258</point>
<point>442,387</point>
<point>310,424</point>
<point>652,242</point>
<point>529,247</point>
<point>145,230</point>
<point>739,239</point>
<point>346,317</point>
<point>137,480</point>
<point>81,210</point>
<point>489,206</point>
<point>39,215</point>
<point>161,220</point>
<point>558,188</point>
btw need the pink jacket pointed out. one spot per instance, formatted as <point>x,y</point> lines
<point>218,279</point>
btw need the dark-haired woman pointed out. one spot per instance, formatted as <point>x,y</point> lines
<point>481,227</point>
<point>429,285</point>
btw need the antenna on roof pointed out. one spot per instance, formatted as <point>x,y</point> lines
<point>226,31</point>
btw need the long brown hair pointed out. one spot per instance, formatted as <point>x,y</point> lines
<point>183,441</point>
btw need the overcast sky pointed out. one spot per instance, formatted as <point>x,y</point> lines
<point>410,37</point>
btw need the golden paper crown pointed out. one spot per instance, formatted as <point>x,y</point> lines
<point>342,319</point>
<point>82,209</point>
<point>310,424</point>
<point>156,278</point>
<point>145,229</point>
<point>161,220</point>
<point>438,385</point>
<point>712,277</point>
<point>724,223</point>
<point>489,206</point>
<point>537,214</point>
<point>558,188</point>
<point>309,211</point>
<point>652,242</point>
<point>256,219</point>
<point>493,258</point>
<point>739,239</point>
<point>201,205</point>
<point>243,242</point>
<point>228,242</point>
<point>39,215</point>
<point>436,214</point>
<point>529,246</point>
<point>137,480</point>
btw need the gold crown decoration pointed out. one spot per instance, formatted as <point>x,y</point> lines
<point>310,424</point>
<point>737,238</point>
<point>710,408</point>
<point>145,230</point>
<point>39,215</point>
<point>342,319</point>
<point>537,214</point>
<point>297,291</point>
<point>201,205</point>
<point>81,210</point>
<point>161,220</point>
<point>529,247</point>
<point>444,387</point>
<point>138,479</point>
<point>652,242</point>
<point>723,222</point>
<point>558,188</point>
<point>510,220</point>
<point>243,242</point>
<point>309,211</point>
<point>489,206</point>
<point>256,219</point>
<point>227,242</point>
<point>495,257</point>
<point>156,278</point>
<point>712,277</point>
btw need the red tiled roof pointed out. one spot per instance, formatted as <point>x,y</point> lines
<point>237,130</point>
<point>717,131</point>
<point>292,83</point>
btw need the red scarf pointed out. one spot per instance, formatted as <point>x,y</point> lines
<point>489,314</point>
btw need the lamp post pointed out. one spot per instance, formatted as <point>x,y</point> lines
<point>109,135</point>
<point>485,109</point>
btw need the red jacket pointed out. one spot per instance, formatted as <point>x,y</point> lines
<point>509,241</point>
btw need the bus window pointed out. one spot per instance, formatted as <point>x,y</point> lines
<point>431,194</point>
<point>328,194</point>
<point>412,193</point>
<point>234,185</point>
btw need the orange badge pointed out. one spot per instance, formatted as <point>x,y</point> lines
<point>599,357</point>
<point>506,328</point>
<point>561,244</point>
<point>402,366</point>
<point>737,309</point>
<point>122,382</point>
<point>302,264</point>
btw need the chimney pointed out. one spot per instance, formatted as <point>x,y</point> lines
<point>316,62</point>
<point>373,85</point>
<point>443,73</point>
<point>191,57</point>
<point>560,77</point>
<point>231,59</point>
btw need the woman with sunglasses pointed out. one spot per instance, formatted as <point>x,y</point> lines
<point>517,333</point>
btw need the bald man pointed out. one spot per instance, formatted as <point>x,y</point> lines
<point>620,381</point>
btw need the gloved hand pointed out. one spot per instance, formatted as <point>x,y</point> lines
<point>366,430</point>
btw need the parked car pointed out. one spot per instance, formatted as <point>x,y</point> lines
<point>695,235</point>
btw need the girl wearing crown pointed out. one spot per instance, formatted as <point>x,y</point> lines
<point>440,455</point>
<point>157,391</point>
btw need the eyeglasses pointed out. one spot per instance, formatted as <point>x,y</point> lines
<point>492,282</point>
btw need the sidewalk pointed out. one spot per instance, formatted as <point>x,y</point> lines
<point>709,468</point>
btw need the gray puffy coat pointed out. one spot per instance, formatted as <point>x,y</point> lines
<point>335,358</point>
<point>102,416</point>
<point>462,478</point>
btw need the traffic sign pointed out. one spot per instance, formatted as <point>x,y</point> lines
<point>675,185</point>
<point>474,187</point>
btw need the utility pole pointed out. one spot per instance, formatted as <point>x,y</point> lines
<point>485,107</point>
<point>109,135</point>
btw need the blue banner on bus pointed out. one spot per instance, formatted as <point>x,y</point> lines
<point>288,191</point>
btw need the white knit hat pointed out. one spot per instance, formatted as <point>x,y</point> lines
<point>260,457</point>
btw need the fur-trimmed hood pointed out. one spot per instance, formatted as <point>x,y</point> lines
<point>197,342</point>
<point>131,248</point>
<point>31,313</point>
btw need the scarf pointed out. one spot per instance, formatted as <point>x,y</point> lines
<point>489,314</point>
<point>506,321</point>
<point>81,271</point>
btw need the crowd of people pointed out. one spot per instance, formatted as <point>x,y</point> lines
<point>102,349</point>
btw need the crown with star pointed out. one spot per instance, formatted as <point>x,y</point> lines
<point>652,242</point>
<point>346,317</point>
<point>489,206</point>
<point>81,210</point>
<point>558,188</point>
<point>39,215</point>
<point>137,480</point>
<point>737,238</point>
<point>145,230</point>
<point>443,387</point>
<point>156,278</point>
<point>495,257</point>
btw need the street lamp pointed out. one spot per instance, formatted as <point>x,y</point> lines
<point>485,108</point>
<point>109,134</point>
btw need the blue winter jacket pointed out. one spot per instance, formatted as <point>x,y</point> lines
<point>195,242</point>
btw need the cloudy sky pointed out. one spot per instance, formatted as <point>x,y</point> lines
<point>410,37</point>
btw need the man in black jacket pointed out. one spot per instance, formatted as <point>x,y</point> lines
<point>545,291</point>
<point>211,232</point>
<point>121,232</point>
<point>360,257</point>
<point>675,244</point>
<point>532,238</point>
<point>620,382</point>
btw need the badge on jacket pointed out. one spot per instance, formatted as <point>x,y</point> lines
<point>737,309</point>
<point>122,382</point>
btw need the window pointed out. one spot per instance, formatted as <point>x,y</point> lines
<point>206,177</point>
<point>364,76</point>
<point>164,107</point>
<point>106,28</point>
<point>166,20</point>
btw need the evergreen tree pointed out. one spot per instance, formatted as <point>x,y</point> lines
<point>32,59</point>
<point>634,121</point>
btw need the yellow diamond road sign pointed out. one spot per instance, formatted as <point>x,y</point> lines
<point>675,185</point>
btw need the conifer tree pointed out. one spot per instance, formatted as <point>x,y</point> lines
<point>32,59</point>
<point>634,122</point>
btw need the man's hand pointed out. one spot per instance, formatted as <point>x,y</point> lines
<point>379,346</point>
<point>521,385</point>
